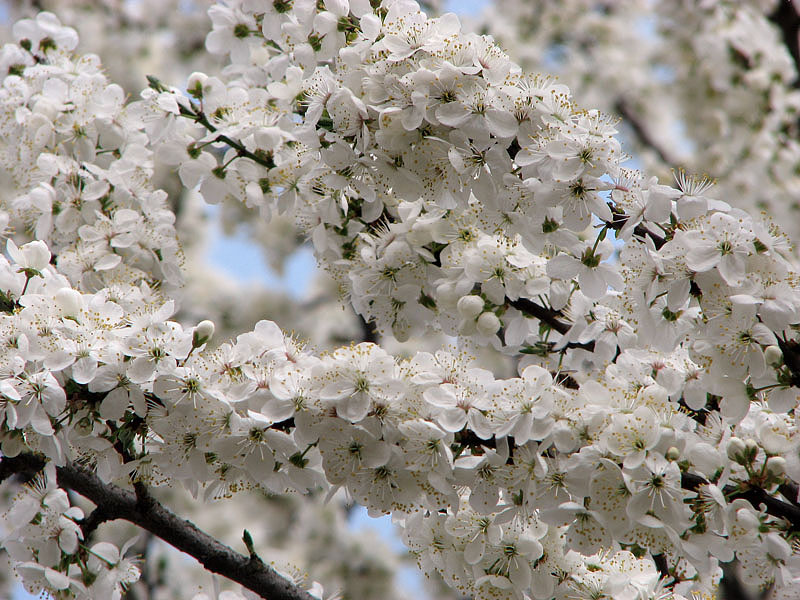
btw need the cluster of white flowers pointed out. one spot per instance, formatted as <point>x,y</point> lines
<point>448,191</point>
<point>43,536</point>
<point>134,39</point>
<point>76,167</point>
<point>709,85</point>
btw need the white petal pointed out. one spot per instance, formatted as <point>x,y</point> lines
<point>473,552</point>
<point>114,404</point>
<point>57,580</point>
<point>563,266</point>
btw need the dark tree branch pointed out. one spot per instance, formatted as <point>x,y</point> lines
<point>369,333</point>
<point>551,318</point>
<point>660,561</point>
<point>729,586</point>
<point>619,220</point>
<point>24,464</point>
<point>754,495</point>
<point>791,358</point>
<point>790,490</point>
<point>93,520</point>
<point>787,20</point>
<point>546,315</point>
<point>140,508</point>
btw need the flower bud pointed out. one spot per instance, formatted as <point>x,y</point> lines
<point>69,301</point>
<point>470,307</point>
<point>488,323</point>
<point>773,356</point>
<point>736,449</point>
<point>776,466</point>
<point>202,333</point>
<point>672,454</point>
<point>195,84</point>
<point>747,519</point>
<point>33,255</point>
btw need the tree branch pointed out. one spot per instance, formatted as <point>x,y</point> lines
<point>619,220</point>
<point>93,520</point>
<point>142,509</point>
<point>546,315</point>
<point>369,333</point>
<point>755,496</point>
<point>787,20</point>
<point>729,586</point>
<point>660,561</point>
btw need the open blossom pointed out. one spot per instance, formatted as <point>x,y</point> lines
<point>594,275</point>
<point>359,379</point>
<point>723,242</point>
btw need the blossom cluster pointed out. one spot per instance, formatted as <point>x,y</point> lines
<point>448,191</point>
<point>551,475</point>
<point>45,541</point>
<point>262,412</point>
<point>707,85</point>
<point>77,167</point>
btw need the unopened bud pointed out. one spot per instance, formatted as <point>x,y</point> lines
<point>776,466</point>
<point>195,84</point>
<point>736,448</point>
<point>69,301</point>
<point>488,323</point>
<point>470,307</point>
<point>672,454</point>
<point>747,519</point>
<point>202,333</point>
<point>773,356</point>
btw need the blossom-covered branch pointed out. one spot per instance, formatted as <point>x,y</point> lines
<point>149,514</point>
<point>652,410</point>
